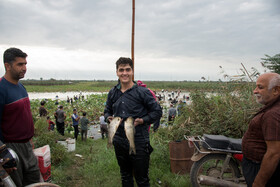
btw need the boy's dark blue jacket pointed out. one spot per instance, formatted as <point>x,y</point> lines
<point>136,102</point>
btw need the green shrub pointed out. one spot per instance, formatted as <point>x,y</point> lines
<point>227,112</point>
<point>44,137</point>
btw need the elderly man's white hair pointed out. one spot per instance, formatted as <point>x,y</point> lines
<point>274,81</point>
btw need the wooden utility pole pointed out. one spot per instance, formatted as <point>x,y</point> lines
<point>132,36</point>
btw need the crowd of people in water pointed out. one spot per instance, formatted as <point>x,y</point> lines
<point>173,101</point>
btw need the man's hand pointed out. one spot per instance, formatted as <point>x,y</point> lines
<point>258,185</point>
<point>10,170</point>
<point>110,118</point>
<point>269,163</point>
<point>138,121</point>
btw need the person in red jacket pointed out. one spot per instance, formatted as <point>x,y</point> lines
<point>51,124</point>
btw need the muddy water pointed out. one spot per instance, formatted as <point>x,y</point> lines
<point>63,95</point>
<point>166,96</point>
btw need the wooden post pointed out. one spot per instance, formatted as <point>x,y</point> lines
<point>132,36</point>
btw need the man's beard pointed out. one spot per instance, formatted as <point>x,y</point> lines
<point>259,98</point>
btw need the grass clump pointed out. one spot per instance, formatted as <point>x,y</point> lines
<point>226,112</point>
<point>44,137</point>
<point>98,165</point>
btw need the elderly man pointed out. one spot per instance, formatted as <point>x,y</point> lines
<point>261,142</point>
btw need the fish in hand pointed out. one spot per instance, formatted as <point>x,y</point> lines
<point>113,126</point>
<point>129,132</point>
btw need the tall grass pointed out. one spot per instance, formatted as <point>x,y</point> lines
<point>105,86</point>
<point>225,112</point>
<point>64,86</point>
<point>98,165</point>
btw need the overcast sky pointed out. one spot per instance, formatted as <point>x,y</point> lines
<point>174,39</point>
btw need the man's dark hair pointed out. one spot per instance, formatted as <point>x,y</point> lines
<point>11,54</point>
<point>84,113</point>
<point>61,107</point>
<point>124,61</point>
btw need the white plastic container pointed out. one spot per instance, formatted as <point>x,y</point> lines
<point>64,143</point>
<point>71,144</point>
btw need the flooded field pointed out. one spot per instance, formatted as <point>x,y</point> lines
<point>58,95</point>
<point>166,97</point>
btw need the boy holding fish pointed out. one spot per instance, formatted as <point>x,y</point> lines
<point>130,109</point>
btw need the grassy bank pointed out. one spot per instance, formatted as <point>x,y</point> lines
<point>65,86</point>
<point>98,165</point>
<point>105,86</point>
<point>226,112</point>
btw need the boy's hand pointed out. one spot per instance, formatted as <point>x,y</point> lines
<point>138,121</point>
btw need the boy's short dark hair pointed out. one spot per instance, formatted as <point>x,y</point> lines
<point>84,113</point>
<point>124,61</point>
<point>11,54</point>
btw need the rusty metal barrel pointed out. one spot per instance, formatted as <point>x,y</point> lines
<point>180,157</point>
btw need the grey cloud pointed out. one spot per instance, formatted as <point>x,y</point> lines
<point>179,27</point>
<point>209,29</point>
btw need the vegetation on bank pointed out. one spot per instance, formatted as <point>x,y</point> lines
<point>105,86</point>
<point>98,165</point>
<point>66,86</point>
<point>225,112</point>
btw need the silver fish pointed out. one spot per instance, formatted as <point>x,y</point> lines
<point>113,126</point>
<point>129,132</point>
